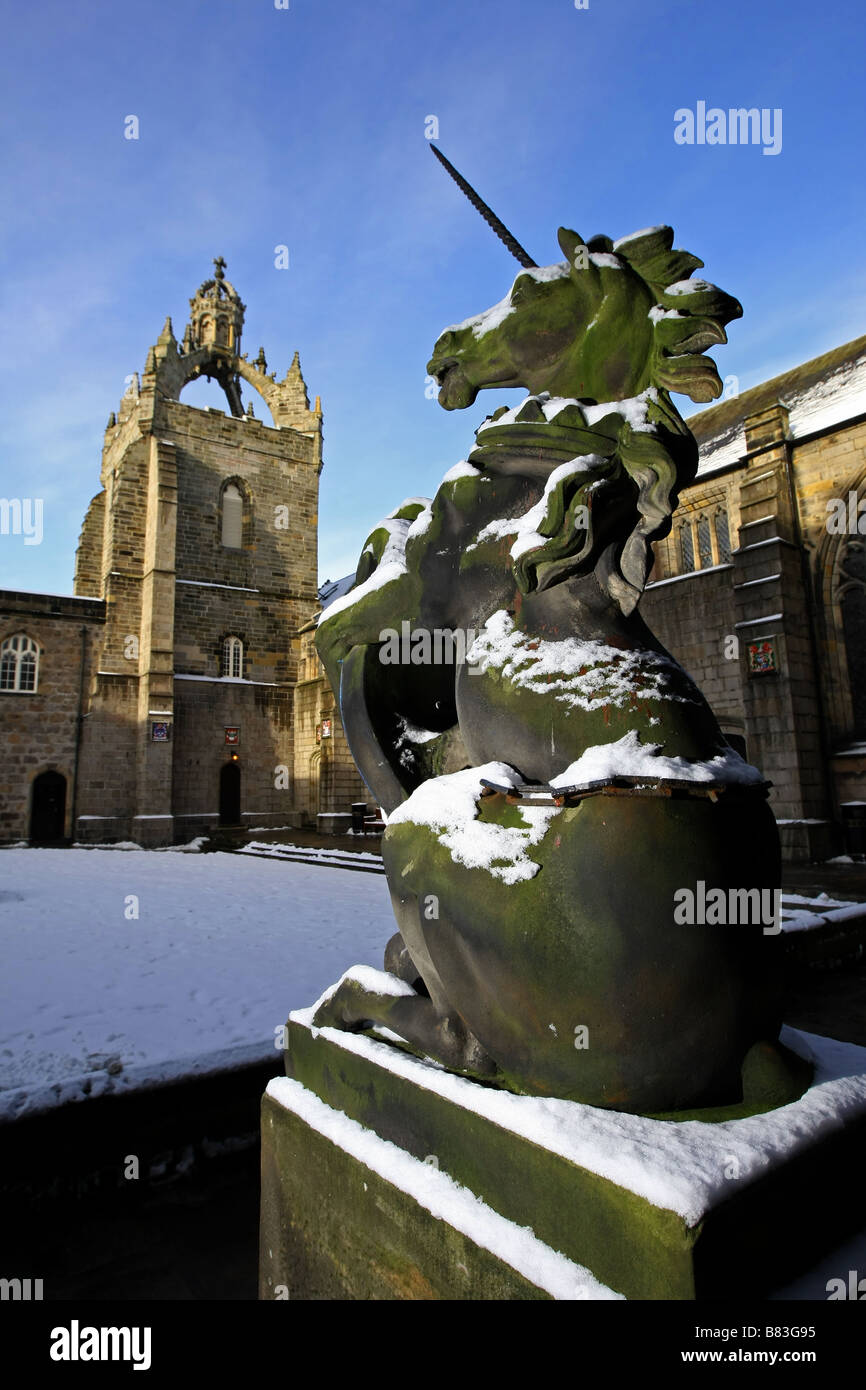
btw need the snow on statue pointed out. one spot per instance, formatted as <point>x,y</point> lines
<point>555,791</point>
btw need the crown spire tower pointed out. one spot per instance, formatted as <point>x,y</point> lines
<point>216,314</point>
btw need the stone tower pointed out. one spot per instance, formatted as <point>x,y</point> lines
<point>202,544</point>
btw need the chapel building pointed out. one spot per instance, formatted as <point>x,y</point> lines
<point>760,591</point>
<point>175,692</point>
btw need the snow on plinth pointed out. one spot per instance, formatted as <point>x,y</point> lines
<point>680,1166</point>
<point>516,1246</point>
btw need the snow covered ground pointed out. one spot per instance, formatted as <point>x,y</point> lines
<point>122,969</point>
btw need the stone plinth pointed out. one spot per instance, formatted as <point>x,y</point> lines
<point>384,1176</point>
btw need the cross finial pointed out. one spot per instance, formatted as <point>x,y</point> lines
<point>220,267</point>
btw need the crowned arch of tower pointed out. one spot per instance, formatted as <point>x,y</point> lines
<point>211,348</point>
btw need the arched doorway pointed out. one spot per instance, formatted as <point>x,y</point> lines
<point>230,794</point>
<point>48,807</point>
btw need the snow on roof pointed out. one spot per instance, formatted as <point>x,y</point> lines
<point>818,394</point>
<point>335,588</point>
<point>829,401</point>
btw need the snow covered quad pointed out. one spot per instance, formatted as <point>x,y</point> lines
<point>557,788</point>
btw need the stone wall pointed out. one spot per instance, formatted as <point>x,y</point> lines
<point>40,730</point>
<point>693,616</point>
<point>265,755</point>
<point>789,576</point>
<point>326,778</point>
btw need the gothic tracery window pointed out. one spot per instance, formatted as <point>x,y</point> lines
<point>687,548</point>
<point>233,658</point>
<point>723,537</point>
<point>705,544</point>
<point>19,664</point>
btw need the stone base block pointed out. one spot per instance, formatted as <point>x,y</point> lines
<point>336,1227</point>
<point>565,1201</point>
<point>808,841</point>
<point>189,827</point>
<point>149,831</point>
<point>271,820</point>
<point>334,822</point>
<point>101,830</point>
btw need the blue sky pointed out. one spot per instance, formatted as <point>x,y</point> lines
<point>305,127</point>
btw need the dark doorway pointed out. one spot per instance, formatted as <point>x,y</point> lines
<point>230,794</point>
<point>48,807</point>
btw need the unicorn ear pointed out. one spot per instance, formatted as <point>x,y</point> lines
<point>570,243</point>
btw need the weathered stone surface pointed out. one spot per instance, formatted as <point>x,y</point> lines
<point>320,1233</point>
<point>332,1228</point>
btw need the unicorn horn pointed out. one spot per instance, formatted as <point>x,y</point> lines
<point>487,213</point>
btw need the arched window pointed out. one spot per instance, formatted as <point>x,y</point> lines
<point>19,664</point>
<point>687,548</point>
<point>854,629</point>
<point>705,544</point>
<point>233,658</point>
<point>723,537</point>
<point>233,517</point>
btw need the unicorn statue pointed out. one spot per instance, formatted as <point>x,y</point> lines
<point>554,783</point>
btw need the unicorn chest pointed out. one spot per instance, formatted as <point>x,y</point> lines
<point>539,704</point>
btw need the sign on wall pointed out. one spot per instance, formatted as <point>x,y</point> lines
<point>326,728</point>
<point>160,732</point>
<point>762,657</point>
<point>233,736</point>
